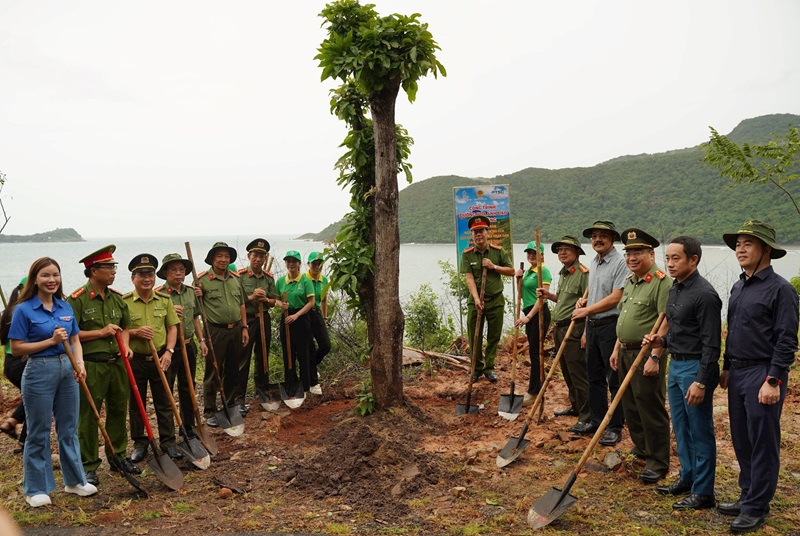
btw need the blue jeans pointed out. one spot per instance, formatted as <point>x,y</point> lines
<point>693,425</point>
<point>50,390</point>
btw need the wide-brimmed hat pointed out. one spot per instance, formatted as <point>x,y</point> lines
<point>292,254</point>
<point>215,247</point>
<point>634,238</point>
<point>568,240</point>
<point>173,257</point>
<point>143,261</point>
<point>602,225</point>
<point>532,246</point>
<point>763,231</point>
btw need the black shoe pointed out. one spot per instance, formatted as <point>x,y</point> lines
<point>138,454</point>
<point>187,432</point>
<point>91,478</point>
<point>243,409</point>
<point>582,428</point>
<point>172,452</point>
<point>695,502</point>
<point>745,523</point>
<point>648,476</point>
<point>679,487</point>
<point>491,376</point>
<point>475,378</point>
<point>610,438</point>
<point>569,412</point>
<point>734,508</point>
<point>212,422</point>
<point>129,467</point>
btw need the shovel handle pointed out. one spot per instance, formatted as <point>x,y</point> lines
<point>516,329</point>
<point>134,388</point>
<point>263,338</point>
<point>540,285</point>
<point>163,377</point>
<point>287,332</point>
<point>476,337</point>
<point>188,369</point>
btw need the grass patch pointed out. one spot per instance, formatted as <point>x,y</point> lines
<point>337,528</point>
<point>184,508</point>
<point>145,516</point>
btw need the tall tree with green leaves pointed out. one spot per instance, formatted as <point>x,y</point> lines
<point>374,57</point>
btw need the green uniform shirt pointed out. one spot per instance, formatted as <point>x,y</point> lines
<point>222,297</point>
<point>642,300</point>
<point>472,262</point>
<point>572,283</point>
<point>157,313</point>
<point>93,312</point>
<point>250,282</point>
<point>320,287</point>
<point>297,290</point>
<point>185,298</point>
<point>530,282</point>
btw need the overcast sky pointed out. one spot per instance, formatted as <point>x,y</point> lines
<point>178,118</point>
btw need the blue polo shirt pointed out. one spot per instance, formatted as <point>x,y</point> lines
<point>33,323</point>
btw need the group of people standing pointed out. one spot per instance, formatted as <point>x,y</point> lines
<point>627,292</point>
<point>53,341</point>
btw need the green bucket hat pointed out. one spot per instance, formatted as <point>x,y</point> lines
<point>568,240</point>
<point>763,231</point>
<point>315,256</point>
<point>173,257</point>
<point>532,246</point>
<point>602,225</point>
<point>220,245</point>
<point>292,254</point>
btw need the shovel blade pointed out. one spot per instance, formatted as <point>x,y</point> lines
<point>166,471</point>
<point>206,439</point>
<point>510,406</point>
<point>292,394</point>
<point>549,508</point>
<point>116,463</point>
<point>511,451</point>
<point>193,451</point>
<point>463,409</point>
<point>233,423</point>
<point>270,399</point>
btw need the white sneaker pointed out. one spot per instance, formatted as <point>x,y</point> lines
<point>315,389</point>
<point>84,490</point>
<point>35,501</point>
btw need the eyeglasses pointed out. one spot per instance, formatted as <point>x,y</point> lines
<point>112,267</point>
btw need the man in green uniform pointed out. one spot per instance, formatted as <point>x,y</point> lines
<point>224,303</point>
<point>572,283</point>
<point>259,287</point>
<point>174,270</point>
<point>101,313</point>
<point>497,262</point>
<point>153,319</point>
<point>643,298</point>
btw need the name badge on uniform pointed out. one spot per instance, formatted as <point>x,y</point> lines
<point>89,311</point>
<point>65,318</point>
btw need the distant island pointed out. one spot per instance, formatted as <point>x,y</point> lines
<point>56,235</point>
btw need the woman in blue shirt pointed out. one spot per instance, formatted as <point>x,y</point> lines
<point>42,323</point>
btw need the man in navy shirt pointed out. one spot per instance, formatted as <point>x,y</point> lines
<point>761,345</point>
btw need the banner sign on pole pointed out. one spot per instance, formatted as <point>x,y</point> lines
<point>490,201</point>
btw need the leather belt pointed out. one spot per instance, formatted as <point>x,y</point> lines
<point>99,359</point>
<point>226,326</point>
<point>490,298</point>
<point>685,357</point>
<point>630,345</point>
<point>747,363</point>
<point>148,357</point>
<point>602,321</point>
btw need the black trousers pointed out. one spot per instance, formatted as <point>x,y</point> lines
<point>177,370</point>
<point>145,373</point>
<point>227,348</point>
<point>260,376</point>
<point>320,333</point>
<point>532,332</point>
<point>600,341</point>
<point>13,368</point>
<point>300,331</point>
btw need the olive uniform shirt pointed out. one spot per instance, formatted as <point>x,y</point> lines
<point>185,298</point>
<point>157,313</point>
<point>642,301</point>
<point>472,262</point>
<point>223,297</point>
<point>250,282</point>
<point>572,283</point>
<point>94,313</point>
<point>297,290</point>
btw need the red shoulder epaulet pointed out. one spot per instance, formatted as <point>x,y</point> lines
<point>75,295</point>
<point>202,274</point>
<point>242,271</point>
<point>629,275</point>
<point>159,289</point>
<point>495,247</point>
<point>660,274</point>
<point>115,291</point>
<point>234,274</point>
<point>469,250</point>
<point>269,274</point>
<point>583,269</point>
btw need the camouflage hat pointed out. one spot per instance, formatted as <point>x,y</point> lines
<point>315,256</point>
<point>568,240</point>
<point>215,247</point>
<point>532,246</point>
<point>143,261</point>
<point>173,257</point>
<point>602,225</point>
<point>292,254</point>
<point>478,222</point>
<point>763,231</point>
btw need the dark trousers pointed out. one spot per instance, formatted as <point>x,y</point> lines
<point>600,342</point>
<point>227,348</point>
<point>532,332</point>
<point>260,376</point>
<point>300,331</point>
<point>492,317</point>
<point>13,368</point>
<point>108,386</point>
<point>756,436</point>
<point>320,333</point>
<point>145,373</point>
<point>178,370</point>
<point>573,367</point>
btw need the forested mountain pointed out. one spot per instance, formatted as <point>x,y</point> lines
<point>665,194</point>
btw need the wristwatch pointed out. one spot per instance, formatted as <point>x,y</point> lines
<point>700,385</point>
<point>773,381</point>
<point>171,350</point>
<point>655,357</point>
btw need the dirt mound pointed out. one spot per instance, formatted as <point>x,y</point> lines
<point>372,462</point>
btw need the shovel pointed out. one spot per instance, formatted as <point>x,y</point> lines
<point>190,447</point>
<point>463,409</point>
<point>271,399</point>
<point>511,404</point>
<point>114,460</point>
<point>516,445</point>
<point>161,464</point>
<point>540,282</point>
<point>291,390</point>
<point>557,501</point>
<point>229,418</point>
<point>200,429</point>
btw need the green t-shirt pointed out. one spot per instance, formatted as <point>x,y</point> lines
<point>297,290</point>
<point>320,287</point>
<point>530,282</point>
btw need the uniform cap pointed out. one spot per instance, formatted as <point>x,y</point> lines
<point>259,244</point>
<point>215,247</point>
<point>568,240</point>
<point>315,256</point>
<point>143,261</point>
<point>102,255</point>
<point>532,247</point>
<point>292,254</point>
<point>478,222</point>
<point>763,231</point>
<point>634,238</point>
<point>602,225</point>
<point>173,257</point>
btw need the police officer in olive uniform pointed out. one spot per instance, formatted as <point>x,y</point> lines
<point>101,313</point>
<point>497,262</point>
<point>153,319</point>
<point>224,303</point>
<point>643,299</point>
<point>173,270</point>
<point>259,287</point>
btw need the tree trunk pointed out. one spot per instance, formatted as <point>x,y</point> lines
<point>388,321</point>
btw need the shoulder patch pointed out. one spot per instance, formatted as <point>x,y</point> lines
<point>235,274</point>
<point>583,269</point>
<point>163,294</point>
<point>126,296</point>
<point>202,274</point>
<point>469,250</point>
<point>660,274</point>
<point>269,274</point>
<point>495,247</point>
<point>159,289</point>
<point>75,295</point>
<point>630,275</point>
<point>242,271</point>
<point>115,291</point>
